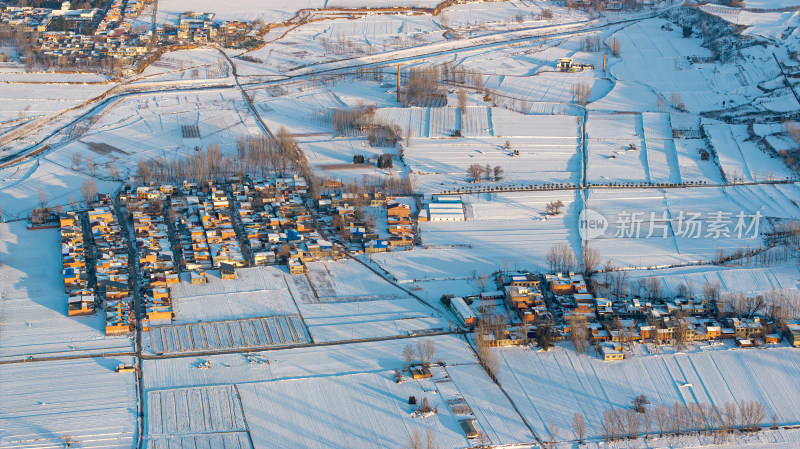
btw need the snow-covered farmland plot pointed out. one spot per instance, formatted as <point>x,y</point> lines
<point>33,308</point>
<point>224,335</point>
<point>616,148</point>
<point>308,361</point>
<point>556,384</point>
<point>150,126</point>
<point>186,65</point>
<point>366,410</point>
<point>22,100</point>
<point>625,244</point>
<point>194,410</point>
<point>20,189</point>
<point>547,146</point>
<point>434,263</point>
<point>222,440</point>
<point>747,280</point>
<point>662,159</point>
<point>654,227</point>
<point>548,86</point>
<point>500,227</point>
<point>495,415</point>
<point>693,168</point>
<point>258,291</point>
<point>347,280</point>
<point>741,159</point>
<point>370,319</point>
<point>768,200</point>
<point>42,401</point>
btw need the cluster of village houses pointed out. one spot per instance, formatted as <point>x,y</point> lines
<point>204,226</point>
<point>276,223</point>
<point>155,258</point>
<point>560,301</point>
<point>81,298</point>
<point>115,35</point>
<point>106,277</point>
<point>348,219</point>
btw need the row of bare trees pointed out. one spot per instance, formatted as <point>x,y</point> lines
<point>591,43</point>
<point>486,330</point>
<point>255,155</point>
<point>423,87</point>
<point>778,304</point>
<point>561,258</point>
<point>475,172</point>
<point>581,93</point>
<point>677,419</point>
<point>424,352</point>
<point>389,185</point>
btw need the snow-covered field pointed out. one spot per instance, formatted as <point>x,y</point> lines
<point>257,292</point>
<point>42,402</point>
<point>370,319</point>
<point>367,410</point>
<point>23,100</point>
<point>626,244</point>
<point>241,334</point>
<point>558,383</point>
<point>347,280</point>
<point>748,279</point>
<point>273,11</point>
<point>362,357</point>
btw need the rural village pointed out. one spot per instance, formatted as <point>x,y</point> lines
<point>415,224</point>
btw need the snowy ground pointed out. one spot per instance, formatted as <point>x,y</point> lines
<point>257,292</point>
<point>556,384</point>
<point>41,402</point>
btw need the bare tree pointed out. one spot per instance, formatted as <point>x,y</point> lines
<point>632,423</point>
<point>661,415</point>
<point>89,190</point>
<point>475,172</point>
<point>76,160</point>
<point>90,164</point>
<point>462,101</point>
<point>608,425</point>
<point>647,419</point>
<point>579,426</point>
<point>425,407</point>
<point>653,288</point>
<point>759,413</point>
<point>488,359</point>
<point>553,207</point>
<point>590,259</point>
<point>561,258</point>
<point>425,349</point>
<point>414,440</point>
<point>498,172</point>
<point>408,355</point>
<point>68,440</point>
<point>552,429</point>
<point>579,334</point>
<point>731,414</point>
<point>430,440</point>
